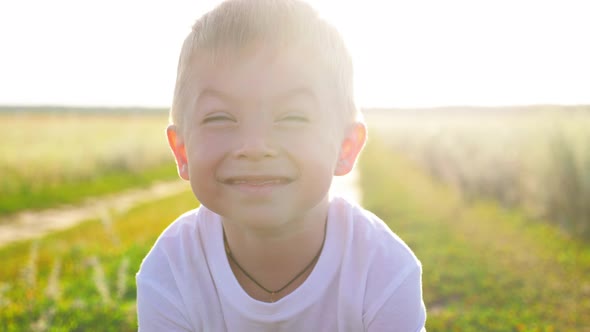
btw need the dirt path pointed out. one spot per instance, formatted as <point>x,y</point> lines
<point>35,224</point>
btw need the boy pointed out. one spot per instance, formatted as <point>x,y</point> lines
<point>262,118</point>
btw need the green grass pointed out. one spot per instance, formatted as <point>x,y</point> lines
<point>83,279</point>
<point>514,278</point>
<point>511,155</point>
<point>75,191</point>
<point>486,268</point>
<point>52,158</point>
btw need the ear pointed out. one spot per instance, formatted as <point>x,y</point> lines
<point>177,145</point>
<point>352,144</point>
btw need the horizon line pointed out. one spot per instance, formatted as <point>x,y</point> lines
<point>41,106</point>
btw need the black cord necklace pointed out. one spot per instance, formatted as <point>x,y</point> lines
<point>273,292</point>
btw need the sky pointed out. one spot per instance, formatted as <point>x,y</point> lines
<point>412,53</point>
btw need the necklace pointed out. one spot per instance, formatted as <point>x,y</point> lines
<point>273,292</point>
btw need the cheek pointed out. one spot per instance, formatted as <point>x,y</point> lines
<point>316,151</point>
<point>206,150</point>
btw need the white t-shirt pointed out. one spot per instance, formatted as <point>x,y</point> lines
<point>366,279</point>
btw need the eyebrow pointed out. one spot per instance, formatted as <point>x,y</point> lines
<point>296,92</point>
<point>216,94</point>
<point>289,94</point>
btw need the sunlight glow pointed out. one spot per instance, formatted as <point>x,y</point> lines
<point>406,53</point>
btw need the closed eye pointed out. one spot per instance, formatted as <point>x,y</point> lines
<point>294,118</point>
<point>218,118</point>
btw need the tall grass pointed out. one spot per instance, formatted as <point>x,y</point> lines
<point>49,158</point>
<point>537,159</point>
<point>485,267</point>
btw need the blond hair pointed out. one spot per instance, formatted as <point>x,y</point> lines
<point>236,24</point>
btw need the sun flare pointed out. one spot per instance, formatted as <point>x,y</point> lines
<point>406,54</point>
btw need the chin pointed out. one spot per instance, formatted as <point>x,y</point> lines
<point>259,218</point>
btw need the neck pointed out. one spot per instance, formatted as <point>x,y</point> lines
<point>273,256</point>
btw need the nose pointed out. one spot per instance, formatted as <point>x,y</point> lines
<point>255,143</point>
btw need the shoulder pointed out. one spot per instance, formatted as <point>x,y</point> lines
<point>381,261</point>
<point>186,229</point>
<point>172,245</point>
<point>374,239</point>
<point>174,266</point>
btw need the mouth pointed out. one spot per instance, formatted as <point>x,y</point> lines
<point>256,187</point>
<point>257,181</point>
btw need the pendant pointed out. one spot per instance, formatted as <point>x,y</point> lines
<point>272,297</point>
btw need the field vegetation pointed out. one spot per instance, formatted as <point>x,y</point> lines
<point>485,267</point>
<point>470,194</point>
<point>63,156</point>
<point>533,158</point>
<point>83,279</point>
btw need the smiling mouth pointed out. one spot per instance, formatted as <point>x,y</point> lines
<point>257,181</point>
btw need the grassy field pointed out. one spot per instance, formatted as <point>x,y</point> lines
<point>49,158</point>
<point>82,279</point>
<point>511,155</point>
<point>489,265</point>
<point>486,268</point>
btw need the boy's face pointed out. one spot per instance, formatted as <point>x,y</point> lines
<point>261,138</point>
